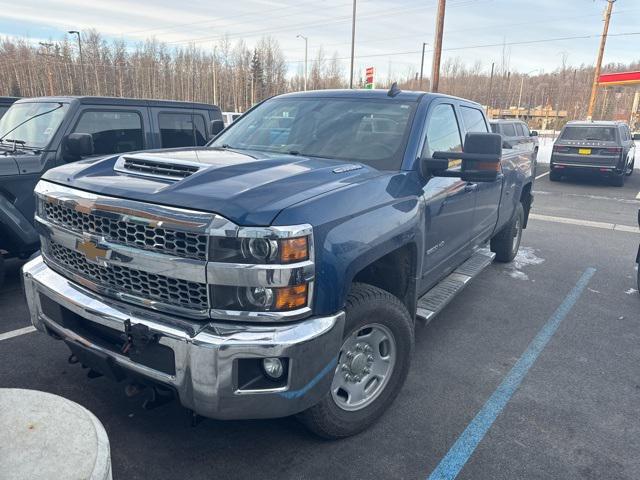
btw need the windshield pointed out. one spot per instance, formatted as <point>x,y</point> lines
<point>36,132</point>
<point>599,134</point>
<point>369,131</point>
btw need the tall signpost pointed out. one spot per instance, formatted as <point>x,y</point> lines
<point>596,73</point>
<point>369,78</point>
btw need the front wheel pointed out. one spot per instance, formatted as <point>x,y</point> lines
<point>507,242</point>
<point>631,167</point>
<point>372,364</point>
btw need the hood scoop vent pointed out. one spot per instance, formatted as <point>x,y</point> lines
<point>155,167</point>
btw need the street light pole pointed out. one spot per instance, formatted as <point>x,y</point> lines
<point>424,44</point>
<point>353,42</point>
<point>596,73</point>
<point>305,58</point>
<point>76,32</point>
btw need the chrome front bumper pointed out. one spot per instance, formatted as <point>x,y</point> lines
<point>206,354</point>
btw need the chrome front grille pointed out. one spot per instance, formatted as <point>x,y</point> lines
<point>130,281</point>
<point>173,242</point>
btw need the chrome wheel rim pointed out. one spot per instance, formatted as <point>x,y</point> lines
<point>365,365</point>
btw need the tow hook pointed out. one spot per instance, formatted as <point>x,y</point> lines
<point>136,337</point>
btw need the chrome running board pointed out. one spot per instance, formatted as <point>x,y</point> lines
<point>432,302</point>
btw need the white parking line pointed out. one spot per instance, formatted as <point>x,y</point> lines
<point>547,173</point>
<point>584,223</point>
<point>16,333</point>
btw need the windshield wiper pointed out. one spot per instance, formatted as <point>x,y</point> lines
<point>2,137</point>
<point>22,144</point>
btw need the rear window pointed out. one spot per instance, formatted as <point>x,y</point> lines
<point>597,134</point>
<point>473,119</point>
<point>182,130</point>
<point>508,130</point>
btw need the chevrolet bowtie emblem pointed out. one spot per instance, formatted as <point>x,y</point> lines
<point>91,250</point>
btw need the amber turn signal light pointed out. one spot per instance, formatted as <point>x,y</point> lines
<point>290,298</point>
<point>294,249</point>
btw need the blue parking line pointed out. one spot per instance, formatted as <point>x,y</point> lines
<point>458,455</point>
<point>299,393</point>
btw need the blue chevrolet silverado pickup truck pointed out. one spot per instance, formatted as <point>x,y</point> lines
<point>280,269</point>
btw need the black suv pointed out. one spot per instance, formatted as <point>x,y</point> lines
<point>603,147</point>
<point>37,134</point>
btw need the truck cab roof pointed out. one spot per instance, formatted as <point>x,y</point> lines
<point>405,95</point>
<point>143,102</point>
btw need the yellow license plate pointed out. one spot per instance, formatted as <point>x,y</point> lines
<point>584,151</point>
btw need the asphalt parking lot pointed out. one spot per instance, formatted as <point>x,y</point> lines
<point>574,414</point>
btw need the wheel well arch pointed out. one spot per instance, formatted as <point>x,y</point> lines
<point>394,272</point>
<point>526,198</point>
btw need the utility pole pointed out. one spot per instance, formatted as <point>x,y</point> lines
<point>422,64</point>
<point>353,42</point>
<point>76,32</point>
<point>47,46</point>
<point>437,46</point>
<point>305,59</point>
<point>596,73</point>
<point>490,87</point>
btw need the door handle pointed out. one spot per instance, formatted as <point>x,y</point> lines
<point>470,187</point>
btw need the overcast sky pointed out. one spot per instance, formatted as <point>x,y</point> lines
<point>389,34</point>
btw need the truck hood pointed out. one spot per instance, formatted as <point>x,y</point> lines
<point>8,165</point>
<point>249,188</point>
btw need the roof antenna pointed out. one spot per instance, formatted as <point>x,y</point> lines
<point>394,90</point>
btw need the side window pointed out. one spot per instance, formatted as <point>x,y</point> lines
<point>508,130</point>
<point>182,130</point>
<point>112,131</point>
<point>473,120</point>
<point>525,129</point>
<point>519,130</point>
<point>495,128</point>
<point>443,133</point>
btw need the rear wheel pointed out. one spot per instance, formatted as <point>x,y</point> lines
<point>507,242</point>
<point>554,176</point>
<point>631,167</point>
<point>372,364</point>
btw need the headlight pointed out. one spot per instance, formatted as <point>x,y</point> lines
<point>259,250</point>
<point>261,270</point>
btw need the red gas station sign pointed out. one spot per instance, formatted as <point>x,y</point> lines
<point>620,78</point>
<point>369,77</point>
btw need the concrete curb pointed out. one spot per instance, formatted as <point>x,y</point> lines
<point>44,436</point>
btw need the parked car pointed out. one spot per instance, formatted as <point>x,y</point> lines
<point>230,117</point>
<point>37,134</point>
<point>517,134</point>
<point>281,270</point>
<point>603,148</point>
<point>5,103</point>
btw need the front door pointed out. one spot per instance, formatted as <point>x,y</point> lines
<point>449,202</point>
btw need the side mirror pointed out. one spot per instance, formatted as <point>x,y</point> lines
<point>636,136</point>
<point>533,133</point>
<point>216,126</point>
<point>78,145</point>
<point>480,159</point>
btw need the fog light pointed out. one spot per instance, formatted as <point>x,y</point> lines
<point>273,368</point>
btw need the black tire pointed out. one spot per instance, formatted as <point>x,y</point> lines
<point>366,305</point>
<point>631,167</point>
<point>506,243</point>
<point>618,180</point>
<point>1,270</point>
<point>554,176</point>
